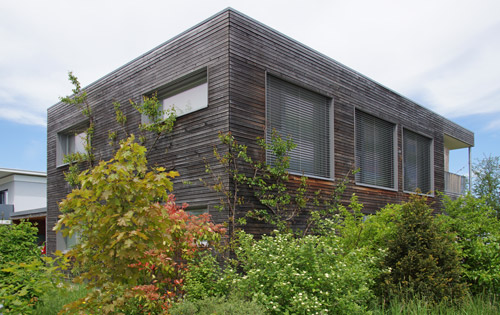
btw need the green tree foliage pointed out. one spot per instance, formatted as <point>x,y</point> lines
<point>421,260</point>
<point>24,274</point>
<point>132,249</point>
<point>158,121</point>
<point>18,243</point>
<point>80,101</point>
<point>477,231</point>
<point>281,198</point>
<point>487,181</point>
<point>269,183</point>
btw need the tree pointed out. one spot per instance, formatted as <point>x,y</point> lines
<point>487,181</point>
<point>157,123</point>
<point>133,239</point>
<point>477,231</point>
<point>421,260</point>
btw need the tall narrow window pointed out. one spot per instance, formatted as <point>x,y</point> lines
<point>187,94</point>
<point>3,198</point>
<point>374,151</point>
<point>417,162</point>
<point>305,117</point>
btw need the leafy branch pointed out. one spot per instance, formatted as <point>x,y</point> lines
<point>159,121</point>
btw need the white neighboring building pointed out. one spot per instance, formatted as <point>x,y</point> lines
<point>23,195</point>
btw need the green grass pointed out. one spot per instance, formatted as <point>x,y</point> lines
<point>472,305</point>
<point>52,301</point>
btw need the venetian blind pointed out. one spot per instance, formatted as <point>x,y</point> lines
<point>305,117</point>
<point>417,162</point>
<point>374,151</point>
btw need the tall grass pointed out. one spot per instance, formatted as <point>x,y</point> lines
<point>472,305</point>
<point>52,302</point>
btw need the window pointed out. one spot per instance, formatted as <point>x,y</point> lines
<point>187,94</point>
<point>65,243</point>
<point>197,210</point>
<point>3,197</point>
<point>69,143</point>
<point>305,116</point>
<point>375,139</point>
<point>417,162</point>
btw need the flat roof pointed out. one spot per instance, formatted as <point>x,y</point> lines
<point>4,172</point>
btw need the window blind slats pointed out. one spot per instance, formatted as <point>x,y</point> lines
<point>304,116</point>
<point>374,151</point>
<point>417,162</point>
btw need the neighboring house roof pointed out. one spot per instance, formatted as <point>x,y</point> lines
<point>34,213</point>
<point>7,210</point>
<point>4,172</point>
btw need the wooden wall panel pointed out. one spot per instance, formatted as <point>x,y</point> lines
<point>194,135</point>
<point>256,50</point>
<point>239,53</point>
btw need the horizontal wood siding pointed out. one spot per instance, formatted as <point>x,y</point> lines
<point>238,54</point>
<point>194,135</point>
<point>256,50</point>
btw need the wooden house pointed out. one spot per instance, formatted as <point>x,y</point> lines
<point>234,74</point>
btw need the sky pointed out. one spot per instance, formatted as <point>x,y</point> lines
<point>442,54</point>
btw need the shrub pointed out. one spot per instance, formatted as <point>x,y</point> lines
<point>207,277</point>
<point>18,243</point>
<point>53,300</point>
<point>477,230</point>
<point>309,275</point>
<point>24,275</point>
<point>421,260</point>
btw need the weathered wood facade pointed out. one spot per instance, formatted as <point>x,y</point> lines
<point>239,54</point>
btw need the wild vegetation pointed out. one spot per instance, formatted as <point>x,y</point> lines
<point>141,253</point>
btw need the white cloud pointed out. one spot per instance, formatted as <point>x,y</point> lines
<point>22,117</point>
<point>442,52</point>
<point>493,125</point>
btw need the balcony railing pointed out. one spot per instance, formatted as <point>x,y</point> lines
<point>454,184</point>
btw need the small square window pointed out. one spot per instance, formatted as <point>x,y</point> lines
<point>65,243</point>
<point>69,143</point>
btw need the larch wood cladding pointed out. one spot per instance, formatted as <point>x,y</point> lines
<point>239,53</point>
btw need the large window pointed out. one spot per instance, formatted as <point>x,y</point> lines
<point>187,94</point>
<point>417,162</point>
<point>375,151</point>
<point>68,143</point>
<point>305,117</point>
